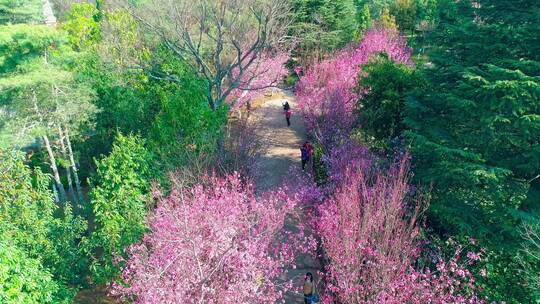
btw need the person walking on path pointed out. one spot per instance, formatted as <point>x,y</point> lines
<point>310,149</point>
<point>288,113</point>
<point>286,106</point>
<point>308,288</point>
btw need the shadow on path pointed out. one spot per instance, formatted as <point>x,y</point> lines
<point>281,151</point>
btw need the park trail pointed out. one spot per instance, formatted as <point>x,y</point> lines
<point>280,152</point>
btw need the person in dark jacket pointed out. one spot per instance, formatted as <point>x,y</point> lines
<point>286,106</point>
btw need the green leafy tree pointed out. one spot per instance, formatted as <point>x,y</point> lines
<point>118,199</point>
<point>23,280</point>
<point>387,20</point>
<point>426,10</point>
<point>475,128</point>
<point>405,12</point>
<point>375,6</point>
<point>127,100</point>
<point>46,236</point>
<point>184,129</point>
<point>381,108</point>
<point>363,16</point>
<point>83,31</point>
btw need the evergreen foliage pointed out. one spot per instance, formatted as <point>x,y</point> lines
<point>384,84</point>
<point>475,128</point>
<point>21,11</point>
<point>323,25</point>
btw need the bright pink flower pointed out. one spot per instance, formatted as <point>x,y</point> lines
<point>326,91</point>
<point>214,243</point>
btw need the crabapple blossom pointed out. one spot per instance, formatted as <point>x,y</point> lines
<point>215,242</point>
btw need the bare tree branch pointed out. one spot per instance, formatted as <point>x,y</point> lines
<point>219,39</point>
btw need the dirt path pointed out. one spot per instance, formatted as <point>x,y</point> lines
<point>280,144</point>
<point>281,150</point>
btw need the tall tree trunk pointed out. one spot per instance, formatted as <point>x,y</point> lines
<point>54,168</point>
<point>74,167</point>
<point>55,192</point>
<point>68,170</point>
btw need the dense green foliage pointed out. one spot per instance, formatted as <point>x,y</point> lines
<point>23,279</point>
<point>119,193</point>
<point>475,130</point>
<point>39,240</point>
<point>323,25</point>
<point>83,31</point>
<point>20,11</point>
<point>381,108</point>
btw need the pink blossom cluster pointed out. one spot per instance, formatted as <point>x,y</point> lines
<point>348,156</point>
<point>215,242</point>
<point>266,71</point>
<point>370,237</point>
<point>326,91</point>
<point>302,186</point>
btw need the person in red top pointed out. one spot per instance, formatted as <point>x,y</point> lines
<point>288,114</point>
<point>307,152</point>
<point>310,149</point>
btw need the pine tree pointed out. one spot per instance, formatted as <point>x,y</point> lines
<point>323,25</point>
<point>21,11</point>
<point>475,132</point>
<point>40,98</point>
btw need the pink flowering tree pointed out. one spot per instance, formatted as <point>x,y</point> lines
<point>370,236</point>
<point>326,92</point>
<point>214,242</point>
<point>267,71</point>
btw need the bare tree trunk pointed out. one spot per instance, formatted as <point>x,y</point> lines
<point>68,170</point>
<point>55,192</point>
<point>74,167</point>
<point>56,176</point>
<point>54,168</point>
